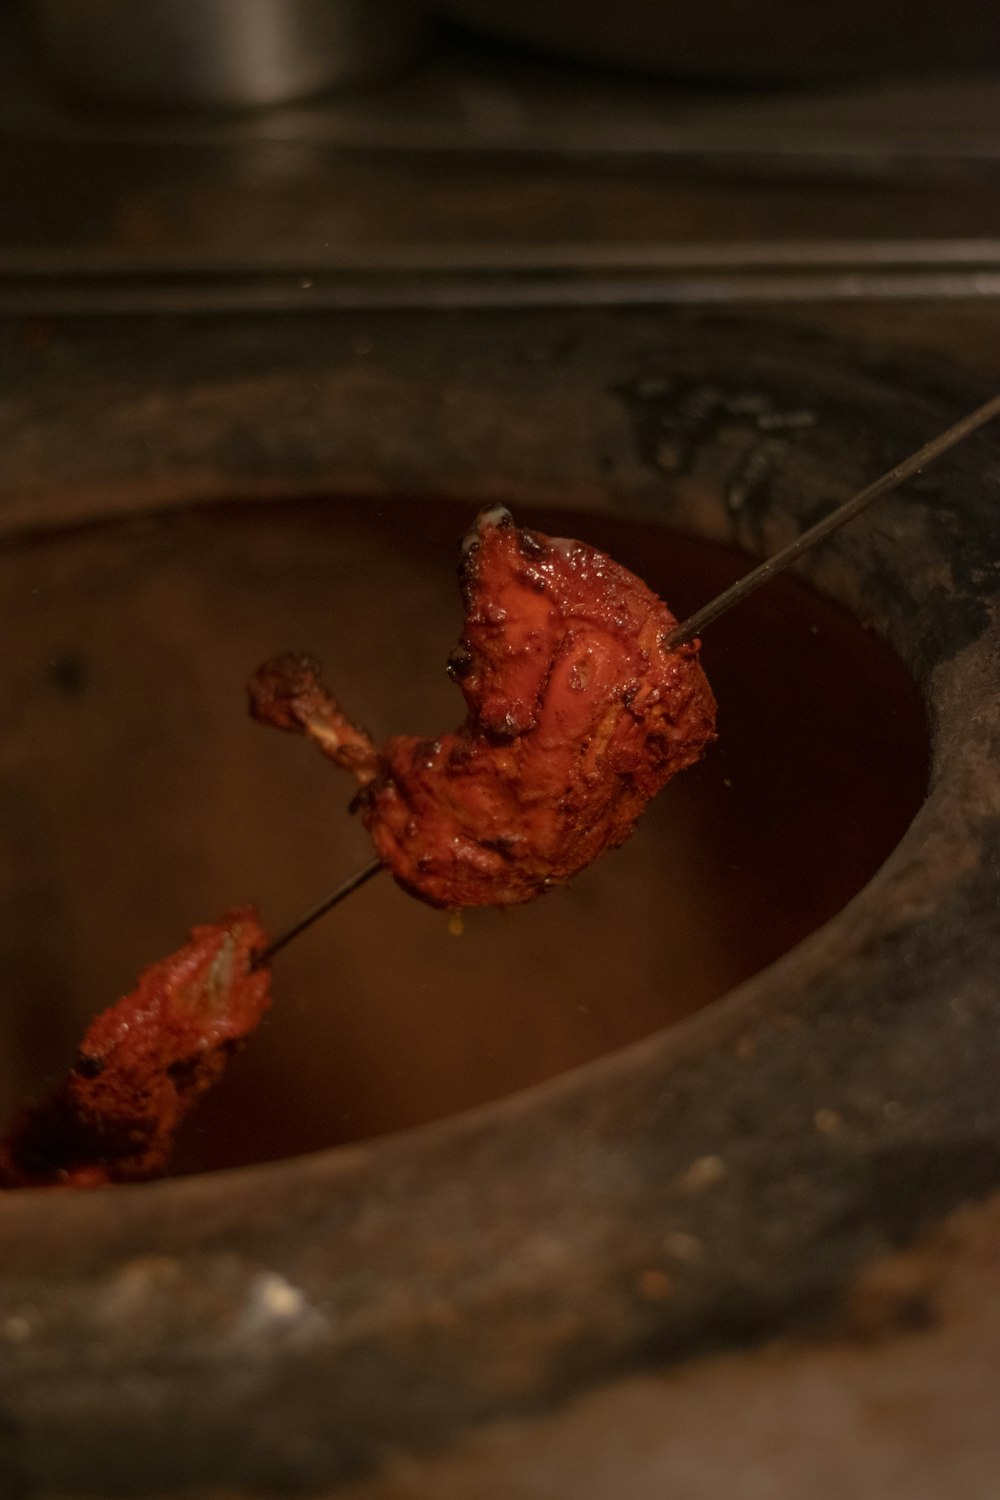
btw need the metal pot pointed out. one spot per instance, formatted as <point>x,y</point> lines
<point>219,54</point>
<point>772,40</point>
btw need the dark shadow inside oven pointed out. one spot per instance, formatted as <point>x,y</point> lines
<point>138,799</point>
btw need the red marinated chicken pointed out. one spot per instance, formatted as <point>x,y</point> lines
<point>578,714</point>
<point>143,1064</point>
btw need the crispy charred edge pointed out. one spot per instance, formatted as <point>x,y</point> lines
<point>686,649</point>
<point>288,692</point>
<point>489,518</point>
<point>282,689</point>
<point>492,518</point>
<point>84,1135</point>
<point>700,695</point>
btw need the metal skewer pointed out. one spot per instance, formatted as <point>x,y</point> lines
<point>695,624</point>
<point>710,612</point>
<point>356,881</point>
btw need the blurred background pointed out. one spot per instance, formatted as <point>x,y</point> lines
<point>192,153</point>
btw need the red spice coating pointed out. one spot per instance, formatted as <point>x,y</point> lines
<point>578,714</point>
<point>143,1063</point>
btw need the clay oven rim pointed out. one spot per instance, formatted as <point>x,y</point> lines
<point>695,1153</point>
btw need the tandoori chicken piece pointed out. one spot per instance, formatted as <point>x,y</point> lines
<point>143,1064</point>
<point>578,714</point>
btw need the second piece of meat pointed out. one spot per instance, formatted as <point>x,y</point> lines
<point>143,1065</point>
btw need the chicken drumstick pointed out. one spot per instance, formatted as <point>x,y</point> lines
<point>578,714</point>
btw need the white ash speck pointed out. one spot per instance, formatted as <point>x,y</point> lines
<point>275,1309</point>
<point>275,1299</point>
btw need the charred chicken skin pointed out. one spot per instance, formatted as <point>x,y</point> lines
<point>577,715</point>
<point>143,1064</point>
